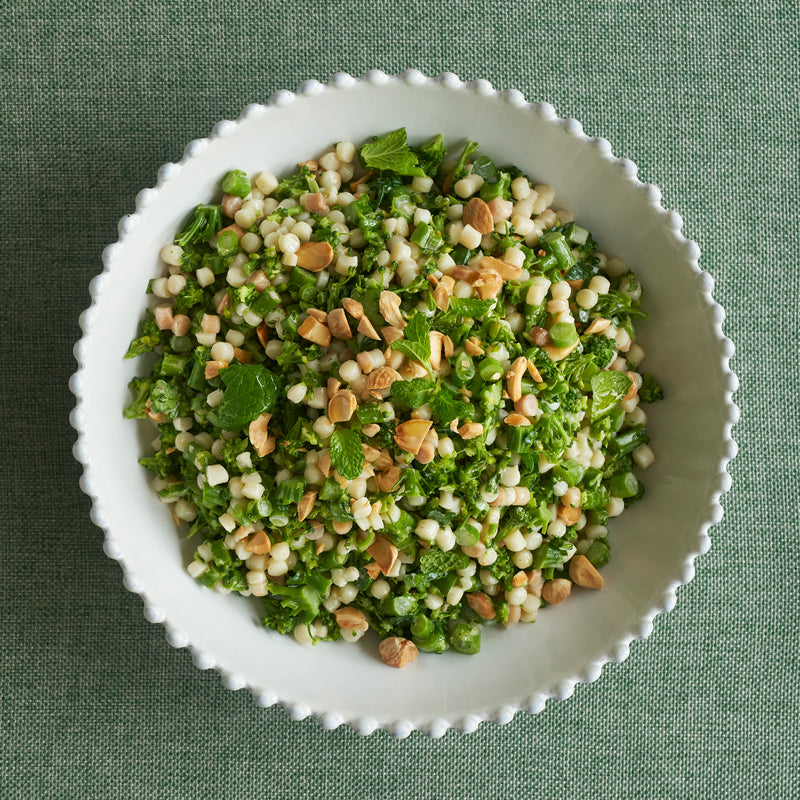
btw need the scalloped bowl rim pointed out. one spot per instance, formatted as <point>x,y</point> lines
<point>401,726</point>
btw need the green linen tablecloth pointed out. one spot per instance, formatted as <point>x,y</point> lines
<point>702,95</point>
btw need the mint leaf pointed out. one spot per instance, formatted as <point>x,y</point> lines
<point>448,406</point>
<point>608,389</point>
<point>469,306</point>
<point>438,561</point>
<point>413,393</point>
<point>347,454</point>
<point>391,153</point>
<point>250,390</point>
<point>417,343</point>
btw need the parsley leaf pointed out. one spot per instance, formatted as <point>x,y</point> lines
<point>250,390</point>
<point>608,389</point>
<point>392,153</point>
<point>347,454</point>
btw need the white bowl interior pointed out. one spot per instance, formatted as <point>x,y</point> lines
<point>652,544</point>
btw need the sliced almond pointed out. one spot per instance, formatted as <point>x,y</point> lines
<point>314,202</point>
<point>391,334</point>
<point>156,416</point>
<point>342,528</point>
<point>409,435</point>
<point>448,347</point>
<point>488,284</point>
<point>501,209</point>
<point>413,369</point>
<point>388,479</point>
<point>634,388</point>
<point>258,543</point>
<point>353,307</point>
<point>333,386</point>
<point>381,378</point>
<point>263,334</point>
<point>342,406</point>
<point>598,325</point>
<point>568,515</point>
<point>259,280</point>
<point>351,619</point>
<point>242,356</point>
<point>481,605</point>
<point>366,328</point>
<point>373,570</point>
<point>584,573</point>
<point>473,347</point>
<point>313,330</point>
<point>311,164</point>
<point>435,338</point>
<point>213,368</point>
<point>389,306</point>
<point>558,353</point>
<point>338,324</point>
<point>384,553</point>
<point>534,372</point>
<point>478,214</point>
<point>318,314</point>
<point>527,405</point>
<point>426,452</point>
<point>517,420</point>
<point>384,460</point>
<point>371,430</point>
<point>306,505</point>
<point>514,378</point>
<point>467,274</point>
<point>324,464</point>
<point>535,582</point>
<point>514,613</point>
<point>397,651</point>
<point>470,430</point>
<point>556,591</point>
<point>506,271</point>
<point>576,285</point>
<point>519,579</point>
<point>258,433</point>
<point>314,256</point>
<point>224,303</point>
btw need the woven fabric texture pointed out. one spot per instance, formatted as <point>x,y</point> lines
<point>95,96</point>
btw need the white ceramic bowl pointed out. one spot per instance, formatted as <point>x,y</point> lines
<point>654,544</point>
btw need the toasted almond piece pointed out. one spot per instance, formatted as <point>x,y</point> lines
<point>470,430</point>
<point>342,406</point>
<point>313,330</point>
<point>477,214</point>
<point>568,515</point>
<point>539,336</point>
<point>584,573</point>
<point>258,433</point>
<point>384,552</point>
<point>314,256</point>
<point>258,543</point>
<point>389,306</point>
<point>318,314</point>
<point>514,378</point>
<point>338,324</point>
<point>527,405</point>
<point>442,298</point>
<point>387,480</point>
<point>209,323</point>
<point>413,369</point>
<point>324,464</point>
<point>534,372</point>
<point>164,317</point>
<point>409,435</point>
<point>213,368</point>
<point>237,229</point>
<point>371,453</point>
<point>508,272</point>
<point>467,274</point>
<point>514,613</point>
<point>488,284</point>
<point>556,591</point>
<point>333,386</point>
<point>263,334</point>
<point>351,619</point>
<point>373,570</point>
<point>314,202</point>
<point>426,452</point>
<point>384,460</point>
<point>344,527</point>
<point>517,420</point>
<point>306,505</point>
<point>448,346</point>
<point>242,356</point>
<point>575,285</point>
<point>454,425</point>
<point>501,209</point>
<point>366,328</point>
<point>224,303</point>
<point>481,605</point>
<point>311,164</point>
<point>153,415</point>
<point>231,204</point>
<point>520,579</point>
<point>391,334</point>
<point>634,388</point>
<point>397,651</point>
<point>353,307</point>
<point>381,378</point>
<point>181,324</point>
<point>473,347</point>
<point>371,430</point>
<point>598,325</point>
<point>259,280</point>
<point>535,582</point>
<point>435,338</point>
<point>558,353</point>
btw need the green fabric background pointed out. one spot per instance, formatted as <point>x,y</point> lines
<point>702,95</point>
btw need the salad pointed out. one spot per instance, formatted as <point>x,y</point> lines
<point>394,391</point>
